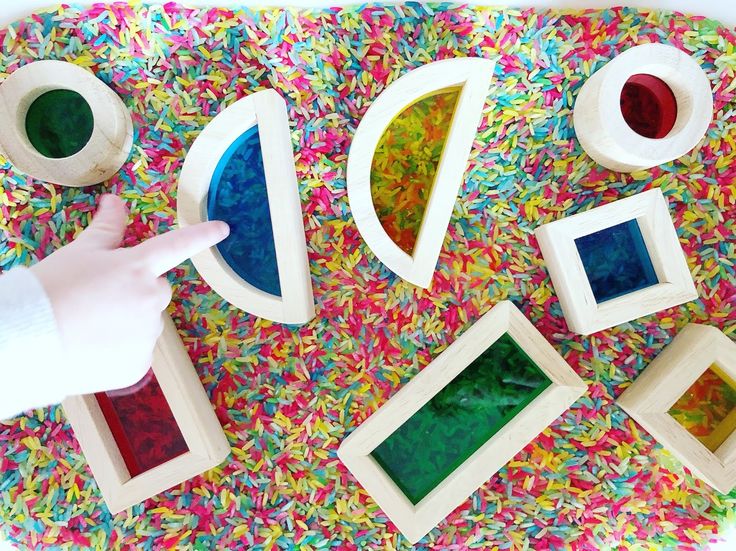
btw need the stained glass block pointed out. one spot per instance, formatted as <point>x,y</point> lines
<point>462,417</point>
<point>142,424</point>
<point>648,106</point>
<point>405,164</point>
<point>238,196</point>
<point>616,261</point>
<point>59,123</point>
<point>708,408</point>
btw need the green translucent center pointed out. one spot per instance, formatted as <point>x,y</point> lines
<point>460,418</point>
<point>59,123</point>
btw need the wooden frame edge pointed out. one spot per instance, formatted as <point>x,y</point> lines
<point>296,305</point>
<point>191,408</point>
<point>475,76</point>
<point>584,315</point>
<point>599,124</point>
<point>106,150</point>
<point>650,397</point>
<point>414,521</point>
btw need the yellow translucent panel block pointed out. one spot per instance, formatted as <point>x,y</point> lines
<point>405,164</point>
<point>708,408</point>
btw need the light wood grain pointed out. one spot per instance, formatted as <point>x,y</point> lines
<point>267,110</point>
<point>599,123</point>
<point>415,521</point>
<point>582,313</point>
<point>475,76</point>
<point>649,399</point>
<point>112,136</point>
<point>194,415</point>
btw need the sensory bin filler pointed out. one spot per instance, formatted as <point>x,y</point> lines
<point>479,290</point>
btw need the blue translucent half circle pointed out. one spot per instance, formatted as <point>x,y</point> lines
<point>238,195</point>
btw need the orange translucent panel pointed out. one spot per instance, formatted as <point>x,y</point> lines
<point>405,164</point>
<point>708,408</point>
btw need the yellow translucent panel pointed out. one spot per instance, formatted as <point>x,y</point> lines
<point>405,164</point>
<point>708,408</point>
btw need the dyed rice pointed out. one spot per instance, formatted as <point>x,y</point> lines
<point>288,396</point>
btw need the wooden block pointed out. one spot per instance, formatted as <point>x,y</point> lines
<point>474,75</point>
<point>206,445</point>
<point>583,312</point>
<point>562,388</point>
<point>42,87</point>
<point>600,125</point>
<point>649,400</point>
<point>267,111</point>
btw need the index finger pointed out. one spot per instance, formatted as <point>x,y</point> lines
<point>170,249</point>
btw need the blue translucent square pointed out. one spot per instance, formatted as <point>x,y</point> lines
<point>616,261</point>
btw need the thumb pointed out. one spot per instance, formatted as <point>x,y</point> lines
<point>108,225</point>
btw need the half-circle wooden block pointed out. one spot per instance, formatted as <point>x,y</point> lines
<point>220,151</point>
<point>472,77</point>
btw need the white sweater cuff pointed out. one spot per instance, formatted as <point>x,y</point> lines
<point>31,355</point>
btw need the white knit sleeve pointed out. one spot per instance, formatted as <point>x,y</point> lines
<point>30,345</point>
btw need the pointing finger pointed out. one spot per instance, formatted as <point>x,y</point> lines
<point>170,249</point>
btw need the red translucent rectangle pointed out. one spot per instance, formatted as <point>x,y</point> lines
<point>142,424</point>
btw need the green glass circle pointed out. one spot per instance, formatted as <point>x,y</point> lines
<point>59,123</point>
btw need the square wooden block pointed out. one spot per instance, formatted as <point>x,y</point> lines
<point>616,262</point>
<point>109,443</point>
<point>460,420</point>
<point>654,401</point>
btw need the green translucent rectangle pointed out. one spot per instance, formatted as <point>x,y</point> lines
<point>459,419</point>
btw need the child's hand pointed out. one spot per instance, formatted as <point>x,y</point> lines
<point>108,300</point>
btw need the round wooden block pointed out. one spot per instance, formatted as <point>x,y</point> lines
<point>63,125</point>
<point>649,105</point>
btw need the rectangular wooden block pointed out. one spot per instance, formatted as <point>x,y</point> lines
<point>107,427</point>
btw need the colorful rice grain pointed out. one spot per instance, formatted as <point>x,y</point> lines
<point>288,396</point>
<point>405,165</point>
<point>708,408</point>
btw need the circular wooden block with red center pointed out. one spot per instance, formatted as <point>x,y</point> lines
<point>648,106</point>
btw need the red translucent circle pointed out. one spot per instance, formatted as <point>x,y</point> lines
<point>649,106</point>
